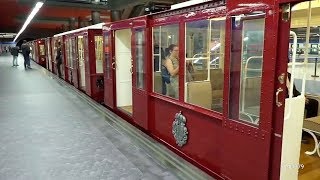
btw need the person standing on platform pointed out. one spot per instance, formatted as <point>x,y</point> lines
<point>59,58</point>
<point>26,54</point>
<point>15,52</point>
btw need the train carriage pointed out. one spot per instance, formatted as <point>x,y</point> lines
<point>84,64</point>
<point>55,40</point>
<point>125,76</point>
<point>208,80</point>
<point>40,52</point>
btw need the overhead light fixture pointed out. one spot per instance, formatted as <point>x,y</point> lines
<point>30,17</point>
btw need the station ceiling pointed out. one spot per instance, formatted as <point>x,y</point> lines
<point>54,17</point>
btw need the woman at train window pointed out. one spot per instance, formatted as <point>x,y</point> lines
<point>172,65</point>
<point>311,105</point>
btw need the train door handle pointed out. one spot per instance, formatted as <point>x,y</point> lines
<point>113,65</point>
<point>279,90</point>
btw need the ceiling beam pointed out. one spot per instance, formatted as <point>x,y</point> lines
<point>70,3</point>
<point>122,4</point>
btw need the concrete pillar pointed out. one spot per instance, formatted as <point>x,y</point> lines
<point>115,15</point>
<point>72,23</point>
<point>95,17</point>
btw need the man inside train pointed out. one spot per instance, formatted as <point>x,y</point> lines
<point>311,105</point>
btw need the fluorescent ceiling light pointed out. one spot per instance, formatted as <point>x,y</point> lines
<point>96,26</point>
<point>30,17</point>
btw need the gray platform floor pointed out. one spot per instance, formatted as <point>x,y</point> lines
<point>47,132</point>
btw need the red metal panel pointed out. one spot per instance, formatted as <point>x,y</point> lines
<point>281,46</point>
<point>140,96</point>
<point>204,139</point>
<point>109,90</point>
<point>255,141</point>
<point>95,92</point>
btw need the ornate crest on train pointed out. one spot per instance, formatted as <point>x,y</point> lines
<point>179,129</point>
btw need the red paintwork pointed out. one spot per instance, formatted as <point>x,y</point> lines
<point>108,67</point>
<point>38,58</point>
<point>140,96</point>
<point>90,64</point>
<point>225,148</point>
<point>54,54</point>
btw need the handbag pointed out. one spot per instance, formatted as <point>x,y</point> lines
<point>165,74</point>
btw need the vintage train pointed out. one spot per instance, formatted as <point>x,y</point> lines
<point>225,107</point>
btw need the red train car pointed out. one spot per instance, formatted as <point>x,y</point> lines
<point>55,41</point>
<point>40,52</point>
<point>205,79</point>
<point>84,63</point>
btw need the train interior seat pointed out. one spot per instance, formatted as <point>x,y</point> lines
<point>157,82</point>
<point>198,93</point>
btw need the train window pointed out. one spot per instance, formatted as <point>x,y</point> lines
<point>71,51</point>
<point>68,52</point>
<point>42,50</point>
<point>204,63</point>
<point>166,60</point>
<point>246,67</point>
<point>107,54</point>
<point>99,53</point>
<point>140,57</point>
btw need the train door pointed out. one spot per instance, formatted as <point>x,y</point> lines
<point>75,59</point>
<point>298,26</point>
<point>123,74</point>
<point>139,48</point>
<point>247,122</point>
<point>49,56</point>
<point>54,55</point>
<point>81,63</point>
<point>109,67</point>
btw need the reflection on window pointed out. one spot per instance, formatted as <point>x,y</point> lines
<point>99,52</point>
<point>166,60</point>
<point>81,61</point>
<point>42,50</point>
<point>71,52</point>
<point>68,52</point>
<point>246,68</point>
<point>107,54</point>
<point>140,47</point>
<point>204,63</point>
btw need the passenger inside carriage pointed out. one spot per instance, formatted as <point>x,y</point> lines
<point>311,105</point>
<point>172,65</point>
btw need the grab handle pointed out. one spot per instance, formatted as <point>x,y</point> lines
<point>277,97</point>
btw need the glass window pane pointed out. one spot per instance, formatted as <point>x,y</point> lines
<point>99,50</point>
<point>204,63</point>
<point>140,54</point>
<point>42,50</point>
<point>107,54</point>
<point>246,67</point>
<point>166,60</point>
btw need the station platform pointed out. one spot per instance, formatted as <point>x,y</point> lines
<point>48,130</point>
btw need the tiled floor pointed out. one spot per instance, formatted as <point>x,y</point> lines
<point>47,132</point>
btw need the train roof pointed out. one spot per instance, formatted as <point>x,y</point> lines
<point>96,26</point>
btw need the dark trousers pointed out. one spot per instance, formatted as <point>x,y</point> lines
<point>26,61</point>
<point>312,108</point>
<point>59,68</point>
